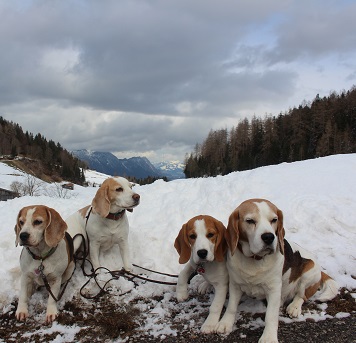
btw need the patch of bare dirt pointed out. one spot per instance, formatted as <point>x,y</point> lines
<point>103,320</point>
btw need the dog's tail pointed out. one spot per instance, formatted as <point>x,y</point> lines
<point>329,288</point>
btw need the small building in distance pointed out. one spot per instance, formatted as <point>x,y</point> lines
<point>6,194</point>
<point>68,186</point>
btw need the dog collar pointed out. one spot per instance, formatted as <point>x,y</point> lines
<point>41,258</point>
<point>200,269</point>
<point>116,216</point>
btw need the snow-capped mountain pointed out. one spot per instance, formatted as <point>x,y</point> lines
<point>107,163</point>
<point>172,170</point>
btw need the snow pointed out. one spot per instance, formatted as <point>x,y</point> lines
<point>317,198</point>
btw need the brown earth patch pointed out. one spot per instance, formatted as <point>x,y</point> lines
<point>104,320</point>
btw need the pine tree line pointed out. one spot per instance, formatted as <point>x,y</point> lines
<point>55,160</point>
<point>326,126</point>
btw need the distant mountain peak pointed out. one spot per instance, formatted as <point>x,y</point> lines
<point>171,169</point>
<point>108,163</point>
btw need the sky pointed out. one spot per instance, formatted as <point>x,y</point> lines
<point>152,78</point>
<point>317,198</point>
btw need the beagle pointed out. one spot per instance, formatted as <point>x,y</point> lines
<point>201,241</point>
<point>47,252</point>
<point>105,222</point>
<point>262,264</point>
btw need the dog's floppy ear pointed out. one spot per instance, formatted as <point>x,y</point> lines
<point>101,202</point>
<point>221,245</point>
<point>17,232</point>
<point>182,245</point>
<point>18,228</point>
<point>232,232</point>
<point>280,231</point>
<point>55,229</point>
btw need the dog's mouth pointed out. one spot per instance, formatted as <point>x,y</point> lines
<point>25,244</point>
<point>266,251</point>
<point>28,244</point>
<point>132,206</point>
<point>202,260</point>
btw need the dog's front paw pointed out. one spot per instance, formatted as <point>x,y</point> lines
<point>268,338</point>
<point>182,295</point>
<point>294,310</point>
<point>50,317</point>
<point>208,328</point>
<point>21,314</point>
<point>51,313</point>
<point>224,327</point>
<point>128,267</point>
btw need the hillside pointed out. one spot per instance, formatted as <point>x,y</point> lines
<point>34,153</point>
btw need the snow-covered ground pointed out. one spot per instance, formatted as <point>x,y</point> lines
<point>317,197</point>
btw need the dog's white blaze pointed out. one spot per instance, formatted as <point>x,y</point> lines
<point>202,242</point>
<point>263,225</point>
<point>266,214</point>
<point>28,219</point>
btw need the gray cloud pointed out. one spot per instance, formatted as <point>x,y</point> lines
<point>144,76</point>
<point>316,32</point>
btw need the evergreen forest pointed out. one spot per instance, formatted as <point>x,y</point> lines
<point>42,156</point>
<point>325,126</point>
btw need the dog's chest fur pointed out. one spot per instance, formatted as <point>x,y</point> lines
<point>107,232</point>
<point>53,266</point>
<point>255,278</point>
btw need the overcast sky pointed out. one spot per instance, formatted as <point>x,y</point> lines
<point>153,77</point>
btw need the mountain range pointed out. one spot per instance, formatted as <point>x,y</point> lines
<point>172,170</point>
<point>138,167</point>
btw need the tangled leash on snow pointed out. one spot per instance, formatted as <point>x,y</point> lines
<point>114,275</point>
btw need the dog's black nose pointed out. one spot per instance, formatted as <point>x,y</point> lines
<point>24,236</point>
<point>136,197</point>
<point>268,238</point>
<point>203,253</point>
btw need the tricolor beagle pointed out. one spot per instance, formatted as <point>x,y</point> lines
<point>262,264</point>
<point>201,241</point>
<point>105,222</point>
<point>48,251</point>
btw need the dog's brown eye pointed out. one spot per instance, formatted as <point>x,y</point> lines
<point>192,236</point>
<point>120,189</point>
<point>37,222</point>
<point>274,220</point>
<point>210,235</point>
<point>21,222</point>
<point>250,221</point>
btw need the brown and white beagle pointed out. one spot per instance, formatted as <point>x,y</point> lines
<point>201,243</point>
<point>105,222</point>
<point>48,251</point>
<point>262,264</point>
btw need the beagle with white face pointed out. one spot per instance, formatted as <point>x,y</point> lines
<point>201,243</point>
<point>42,232</point>
<point>262,264</point>
<point>105,221</point>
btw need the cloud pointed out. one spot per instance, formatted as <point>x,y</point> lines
<point>141,76</point>
<point>314,32</point>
